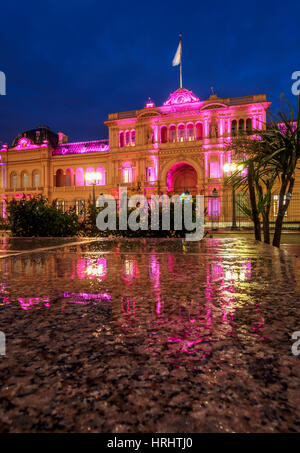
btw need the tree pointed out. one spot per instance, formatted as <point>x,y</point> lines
<point>35,216</point>
<point>283,140</point>
<point>272,155</point>
<point>255,180</point>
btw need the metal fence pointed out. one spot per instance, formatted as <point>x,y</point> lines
<point>219,211</point>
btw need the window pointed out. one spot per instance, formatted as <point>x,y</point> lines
<point>36,179</point>
<point>79,176</point>
<point>150,174</point>
<point>14,180</point>
<point>164,134</point>
<point>241,127</point>
<point>127,141</point>
<point>233,128</point>
<point>127,175</point>
<point>133,137</point>
<point>181,133</point>
<point>100,172</point>
<point>89,176</point>
<point>25,180</point>
<point>214,170</point>
<point>190,132</point>
<point>121,139</point>
<point>60,178</point>
<point>69,177</point>
<point>172,134</point>
<point>249,126</point>
<point>199,131</point>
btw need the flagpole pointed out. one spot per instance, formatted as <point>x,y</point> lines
<point>180,36</point>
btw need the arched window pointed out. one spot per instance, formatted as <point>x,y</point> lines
<point>127,139</point>
<point>190,132</point>
<point>60,178</point>
<point>79,177</point>
<point>181,133</point>
<point>199,131</point>
<point>249,126</point>
<point>25,179</point>
<point>14,180</point>
<point>163,134</point>
<point>88,181</point>
<point>241,126</point>
<point>69,178</point>
<point>172,135</point>
<point>233,128</point>
<point>121,139</point>
<point>127,174</point>
<point>132,137</point>
<point>100,171</point>
<point>36,179</point>
<point>150,174</point>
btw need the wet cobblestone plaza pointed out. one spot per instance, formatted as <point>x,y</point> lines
<point>148,336</point>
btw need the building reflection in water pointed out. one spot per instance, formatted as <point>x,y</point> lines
<point>145,294</point>
<point>130,270</point>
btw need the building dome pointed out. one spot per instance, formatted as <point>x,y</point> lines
<point>181,96</point>
<point>37,136</point>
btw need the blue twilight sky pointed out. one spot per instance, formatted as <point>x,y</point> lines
<point>70,63</point>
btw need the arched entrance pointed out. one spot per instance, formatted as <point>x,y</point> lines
<point>181,177</point>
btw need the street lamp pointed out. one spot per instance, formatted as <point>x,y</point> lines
<point>91,177</point>
<point>214,209</point>
<point>230,168</point>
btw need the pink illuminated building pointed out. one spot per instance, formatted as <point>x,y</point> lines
<point>181,145</point>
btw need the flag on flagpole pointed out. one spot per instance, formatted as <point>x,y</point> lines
<point>177,58</point>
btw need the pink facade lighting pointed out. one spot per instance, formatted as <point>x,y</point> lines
<point>150,104</point>
<point>25,143</point>
<point>95,146</point>
<point>214,170</point>
<point>180,97</point>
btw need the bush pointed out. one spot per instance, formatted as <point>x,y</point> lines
<point>37,217</point>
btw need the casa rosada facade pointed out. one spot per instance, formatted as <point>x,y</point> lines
<point>180,146</point>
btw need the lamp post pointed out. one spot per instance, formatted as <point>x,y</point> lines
<point>214,209</point>
<point>92,177</point>
<point>229,168</point>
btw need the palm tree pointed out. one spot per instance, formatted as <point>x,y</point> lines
<point>281,156</point>
<point>257,181</point>
<point>272,155</point>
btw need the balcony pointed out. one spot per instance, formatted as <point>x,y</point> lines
<point>24,190</point>
<point>76,188</point>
